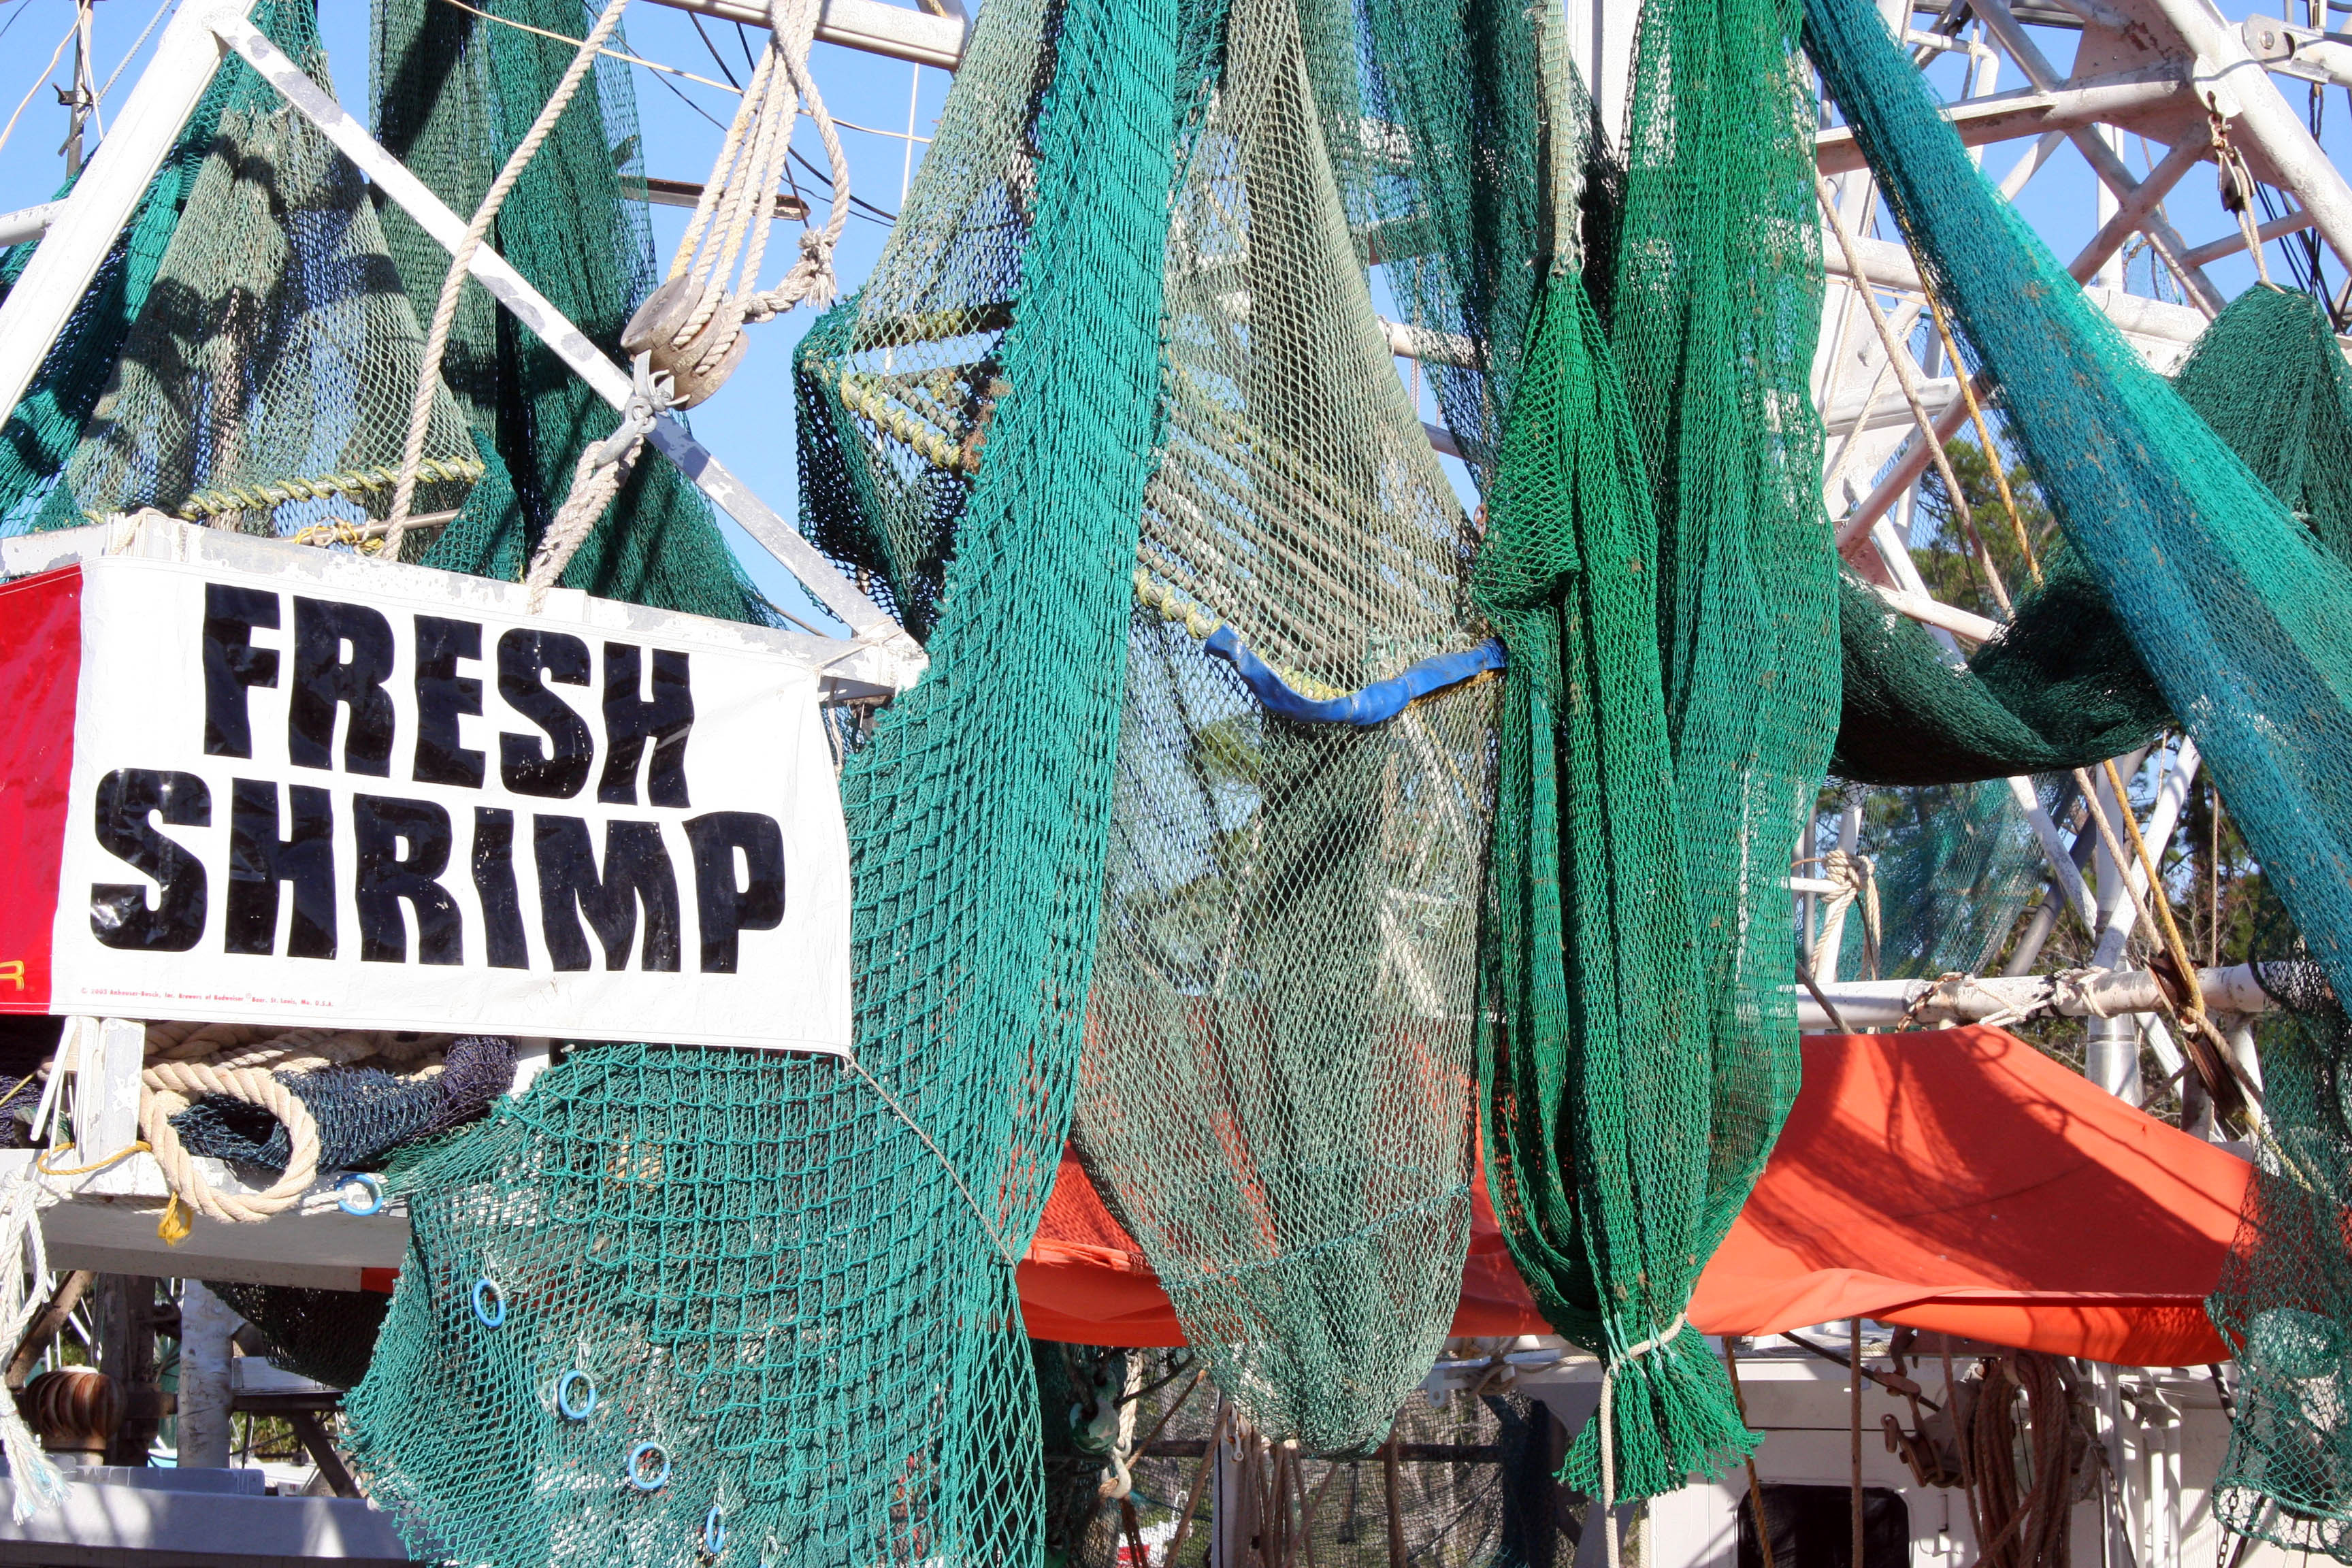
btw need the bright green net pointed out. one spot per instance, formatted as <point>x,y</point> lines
<point>794,1280</point>
<point>1275,1096</point>
<point>2235,607</point>
<point>1662,577</point>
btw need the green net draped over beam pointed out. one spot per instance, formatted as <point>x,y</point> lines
<point>1275,1096</point>
<point>759,1263</point>
<point>47,420</point>
<point>2062,687</point>
<point>2270,377</point>
<point>1664,579</point>
<point>453,95</point>
<point>2235,607</point>
<point>267,338</point>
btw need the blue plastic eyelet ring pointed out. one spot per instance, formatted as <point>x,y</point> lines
<point>641,1476</point>
<point>714,1531</point>
<point>575,1395</point>
<point>360,1194</point>
<point>490,1303</point>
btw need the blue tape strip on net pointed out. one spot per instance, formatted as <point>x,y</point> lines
<point>1374,704</point>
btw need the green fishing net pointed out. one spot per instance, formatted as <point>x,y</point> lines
<point>2062,686</point>
<point>2235,607</point>
<point>792,1279</point>
<point>326,1336</point>
<point>454,93</point>
<point>1275,1098</point>
<point>266,379</point>
<point>1660,569</point>
<point>1276,1090</point>
<point>2280,1302</point>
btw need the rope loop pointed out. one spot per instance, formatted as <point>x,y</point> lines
<point>1608,1422</point>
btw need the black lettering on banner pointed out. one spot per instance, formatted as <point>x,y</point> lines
<point>324,680</point>
<point>494,883</point>
<point>725,907</point>
<point>403,846</point>
<point>232,664</point>
<point>630,721</point>
<point>556,769</point>
<point>442,696</point>
<point>258,860</point>
<point>119,912</point>
<point>636,870</point>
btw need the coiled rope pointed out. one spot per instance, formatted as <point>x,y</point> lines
<point>693,324</point>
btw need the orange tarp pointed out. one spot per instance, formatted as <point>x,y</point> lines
<point>1956,1179</point>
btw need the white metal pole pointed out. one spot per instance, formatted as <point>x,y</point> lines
<point>2226,70</point>
<point>83,226</point>
<point>822,579</point>
<point>206,1324</point>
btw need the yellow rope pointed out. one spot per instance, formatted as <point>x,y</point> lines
<point>208,504</point>
<point>1174,607</point>
<point>137,1146</point>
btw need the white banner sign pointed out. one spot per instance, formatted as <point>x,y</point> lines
<point>336,804</point>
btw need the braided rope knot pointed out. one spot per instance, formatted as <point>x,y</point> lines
<point>597,478</point>
<point>1858,878</point>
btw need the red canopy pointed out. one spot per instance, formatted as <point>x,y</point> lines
<point>1956,1179</point>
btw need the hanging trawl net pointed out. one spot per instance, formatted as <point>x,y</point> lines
<point>264,382</point>
<point>454,93</point>
<point>683,1303</point>
<point>40,434</point>
<point>1275,1094</point>
<point>1673,674</point>
<point>2235,607</point>
<point>2270,377</point>
<point>326,1336</point>
<point>2062,687</point>
<point>1276,1089</point>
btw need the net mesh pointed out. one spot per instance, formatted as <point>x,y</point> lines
<point>454,93</point>
<point>364,1112</point>
<point>1275,1096</point>
<point>264,381</point>
<point>2280,1302</point>
<point>792,1279</point>
<point>1657,563</point>
<point>326,1336</point>
<point>2231,603</point>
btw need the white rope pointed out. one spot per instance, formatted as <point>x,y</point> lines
<point>24,1260</point>
<point>694,323</point>
<point>1857,882</point>
<point>1608,1432</point>
<point>595,481</point>
<point>444,313</point>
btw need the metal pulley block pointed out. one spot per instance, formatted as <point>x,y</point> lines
<point>654,332</point>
